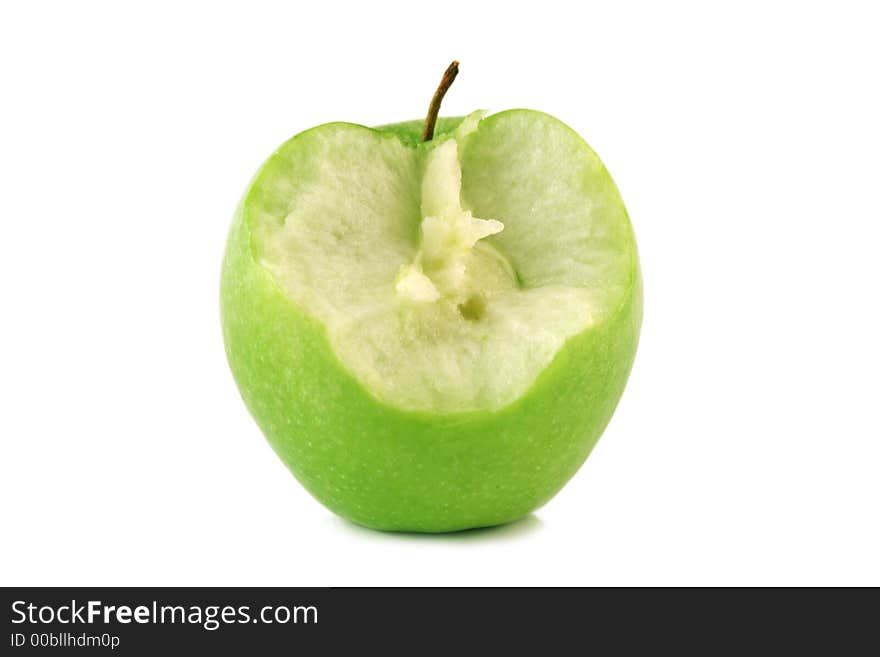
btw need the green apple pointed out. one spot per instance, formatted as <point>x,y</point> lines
<point>433,334</point>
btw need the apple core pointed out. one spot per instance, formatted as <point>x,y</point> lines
<point>448,233</point>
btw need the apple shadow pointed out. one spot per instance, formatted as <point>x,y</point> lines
<point>530,524</point>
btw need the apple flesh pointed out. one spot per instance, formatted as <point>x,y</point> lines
<point>432,336</point>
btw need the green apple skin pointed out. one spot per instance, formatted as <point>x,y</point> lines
<point>389,469</point>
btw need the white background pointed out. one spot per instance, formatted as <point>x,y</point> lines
<point>745,142</point>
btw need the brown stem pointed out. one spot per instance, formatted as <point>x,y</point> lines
<point>434,109</point>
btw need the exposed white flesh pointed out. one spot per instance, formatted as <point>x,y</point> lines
<point>430,307</point>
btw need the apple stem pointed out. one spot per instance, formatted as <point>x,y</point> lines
<point>434,109</point>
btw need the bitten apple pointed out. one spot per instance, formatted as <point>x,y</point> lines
<point>432,333</point>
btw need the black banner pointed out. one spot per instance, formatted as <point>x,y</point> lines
<point>147,621</point>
